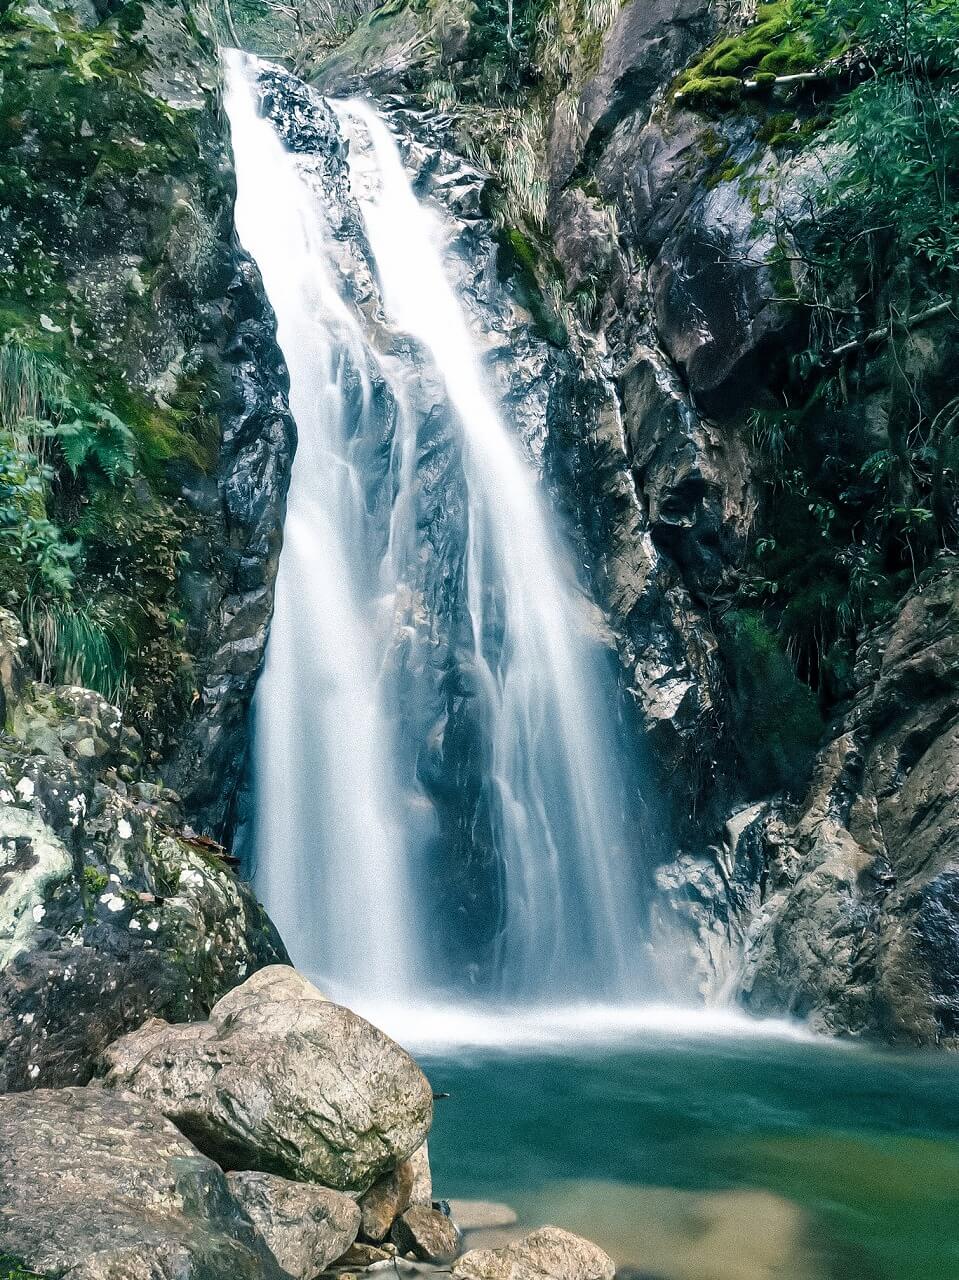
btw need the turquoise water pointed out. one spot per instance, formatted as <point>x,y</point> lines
<point>692,1158</point>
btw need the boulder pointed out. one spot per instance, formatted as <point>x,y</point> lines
<point>549,1252</point>
<point>306,1227</point>
<point>428,1234</point>
<point>388,1197</point>
<point>422,1189</point>
<point>274,984</point>
<point>101,1187</point>
<point>110,910</point>
<point>297,1086</point>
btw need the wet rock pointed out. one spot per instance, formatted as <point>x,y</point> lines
<point>428,1234</point>
<point>300,1087</point>
<point>642,51</point>
<point>102,1187</point>
<point>108,916</point>
<point>548,1252</point>
<point>694,477</point>
<point>306,1227</point>
<point>388,1197</point>
<point>842,909</point>
<point>33,862</point>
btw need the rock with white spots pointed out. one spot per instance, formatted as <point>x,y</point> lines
<point>32,863</point>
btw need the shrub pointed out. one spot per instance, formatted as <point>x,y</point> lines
<point>775,717</point>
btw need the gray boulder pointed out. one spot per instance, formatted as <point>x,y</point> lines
<point>306,1227</point>
<point>549,1252</point>
<point>296,1086</point>
<point>101,1187</point>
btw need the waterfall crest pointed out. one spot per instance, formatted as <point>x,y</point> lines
<point>345,860</point>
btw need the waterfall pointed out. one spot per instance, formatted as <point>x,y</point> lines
<point>330,860</point>
<point>340,860</point>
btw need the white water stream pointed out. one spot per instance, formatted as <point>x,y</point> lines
<point>334,859</point>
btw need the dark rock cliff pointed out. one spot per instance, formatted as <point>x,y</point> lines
<point>144,390</point>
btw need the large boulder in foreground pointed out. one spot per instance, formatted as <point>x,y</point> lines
<point>306,1227</point>
<point>285,1082</point>
<point>547,1254</point>
<point>100,1186</point>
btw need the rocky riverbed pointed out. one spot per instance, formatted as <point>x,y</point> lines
<point>284,1137</point>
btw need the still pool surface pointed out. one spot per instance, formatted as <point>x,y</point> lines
<point>702,1156</point>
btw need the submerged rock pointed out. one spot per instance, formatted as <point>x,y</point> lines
<point>307,1227</point>
<point>296,1086</point>
<point>101,1187</point>
<point>548,1252</point>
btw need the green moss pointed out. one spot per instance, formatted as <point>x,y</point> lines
<point>94,881</point>
<point>711,92</point>
<point>773,45</point>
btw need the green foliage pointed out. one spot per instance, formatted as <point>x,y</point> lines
<point>891,191</point>
<point>839,544</point>
<point>12,1268</point>
<point>77,642</point>
<point>34,553</point>
<point>777,718</point>
<point>94,881</point>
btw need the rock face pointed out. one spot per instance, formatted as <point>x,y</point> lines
<point>139,265</point>
<point>549,1252</point>
<point>101,1186</point>
<point>306,1227</point>
<point>842,909</point>
<point>109,912</point>
<point>299,1087</point>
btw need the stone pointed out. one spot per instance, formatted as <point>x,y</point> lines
<point>388,1197</point>
<point>428,1234</point>
<point>365,1255</point>
<point>648,42</point>
<point>422,1189</point>
<point>32,863</point>
<point>476,1215</point>
<point>100,1186</point>
<point>298,1086</point>
<point>305,1226</point>
<point>547,1254</point>
<point>273,984</point>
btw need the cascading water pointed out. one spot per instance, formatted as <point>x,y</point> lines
<point>557,819</point>
<point>337,842</point>
<point>329,844</point>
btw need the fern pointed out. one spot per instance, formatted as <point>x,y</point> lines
<point>73,644</point>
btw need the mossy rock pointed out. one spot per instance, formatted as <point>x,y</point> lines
<point>773,45</point>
